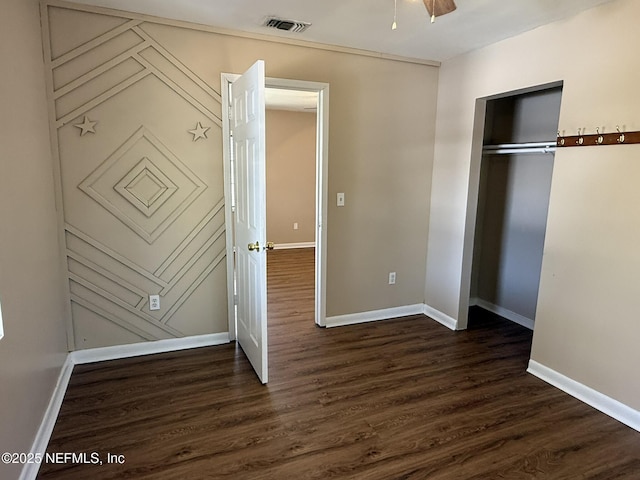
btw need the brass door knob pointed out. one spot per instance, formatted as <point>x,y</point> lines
<point>254,247</point>
<point>270,246</point>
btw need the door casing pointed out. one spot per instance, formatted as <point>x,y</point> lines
<point>322,168</point>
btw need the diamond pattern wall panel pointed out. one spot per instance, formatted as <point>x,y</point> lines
<point>144,185</point>
<point>143,205</point>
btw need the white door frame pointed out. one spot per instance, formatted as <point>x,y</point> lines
<point>322,169</point>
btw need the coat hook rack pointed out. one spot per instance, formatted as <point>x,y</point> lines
<point>582,139</point>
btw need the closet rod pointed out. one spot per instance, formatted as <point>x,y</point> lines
<point>512,148</point>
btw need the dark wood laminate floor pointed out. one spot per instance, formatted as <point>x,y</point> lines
<point>398,399</point>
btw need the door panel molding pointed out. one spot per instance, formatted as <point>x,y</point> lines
<point>247,95</point>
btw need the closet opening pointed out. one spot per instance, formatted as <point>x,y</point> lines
<point>514,183</point>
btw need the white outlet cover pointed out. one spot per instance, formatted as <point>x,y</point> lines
<point>154,302</point>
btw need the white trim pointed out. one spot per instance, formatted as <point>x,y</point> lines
<point>287,246</point>
<point>504,313</point>
<point>226,80</point>
<point>322,195</point>
<point>597,400</point>
<point>374,315</point>
<point>440,317</point>
<point>39,446</point>
<point>147,348</point>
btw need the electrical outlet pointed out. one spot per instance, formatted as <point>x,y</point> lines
<point>154,302</point>
<point>392,278</point>
<point>295,226</point>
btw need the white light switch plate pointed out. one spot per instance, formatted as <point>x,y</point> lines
<point>340,200</point>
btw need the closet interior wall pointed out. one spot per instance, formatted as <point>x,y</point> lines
<point>512,205</point>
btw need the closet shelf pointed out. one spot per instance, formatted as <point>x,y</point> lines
<point>513,148</point>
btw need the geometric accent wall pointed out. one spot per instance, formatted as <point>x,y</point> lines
<point>138,143</point>
<point>143,177</point>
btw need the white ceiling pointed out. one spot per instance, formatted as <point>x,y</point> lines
<point>366,24</point>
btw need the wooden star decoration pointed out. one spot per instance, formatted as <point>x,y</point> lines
<point>87,126</point>
<point>199,132</point>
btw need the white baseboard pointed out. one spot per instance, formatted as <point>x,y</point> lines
<point>440,317</point>
<point>504,313</point>
<point>147,348</point>
<point>373,316</point>
<point>30,471</point>
<point>286,246</point>
<point>588,395</point>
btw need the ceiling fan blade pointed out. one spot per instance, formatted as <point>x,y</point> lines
<point>442,7</point>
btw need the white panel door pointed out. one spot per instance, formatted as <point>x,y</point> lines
<point>248,129</point>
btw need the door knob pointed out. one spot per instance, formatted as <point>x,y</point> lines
<point>270,246</point>
<point>254,247</point>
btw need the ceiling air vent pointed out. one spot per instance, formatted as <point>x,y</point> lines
<point>286,25</point>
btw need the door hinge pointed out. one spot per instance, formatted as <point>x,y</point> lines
<point>235,299</point>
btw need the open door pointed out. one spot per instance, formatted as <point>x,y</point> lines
<point>247,124</point>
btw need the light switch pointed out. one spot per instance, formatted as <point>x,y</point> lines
<point>341,200</point>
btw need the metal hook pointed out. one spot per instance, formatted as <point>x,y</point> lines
<point>580,140</point>
<point>621,137</point>
<point>600,138</point>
